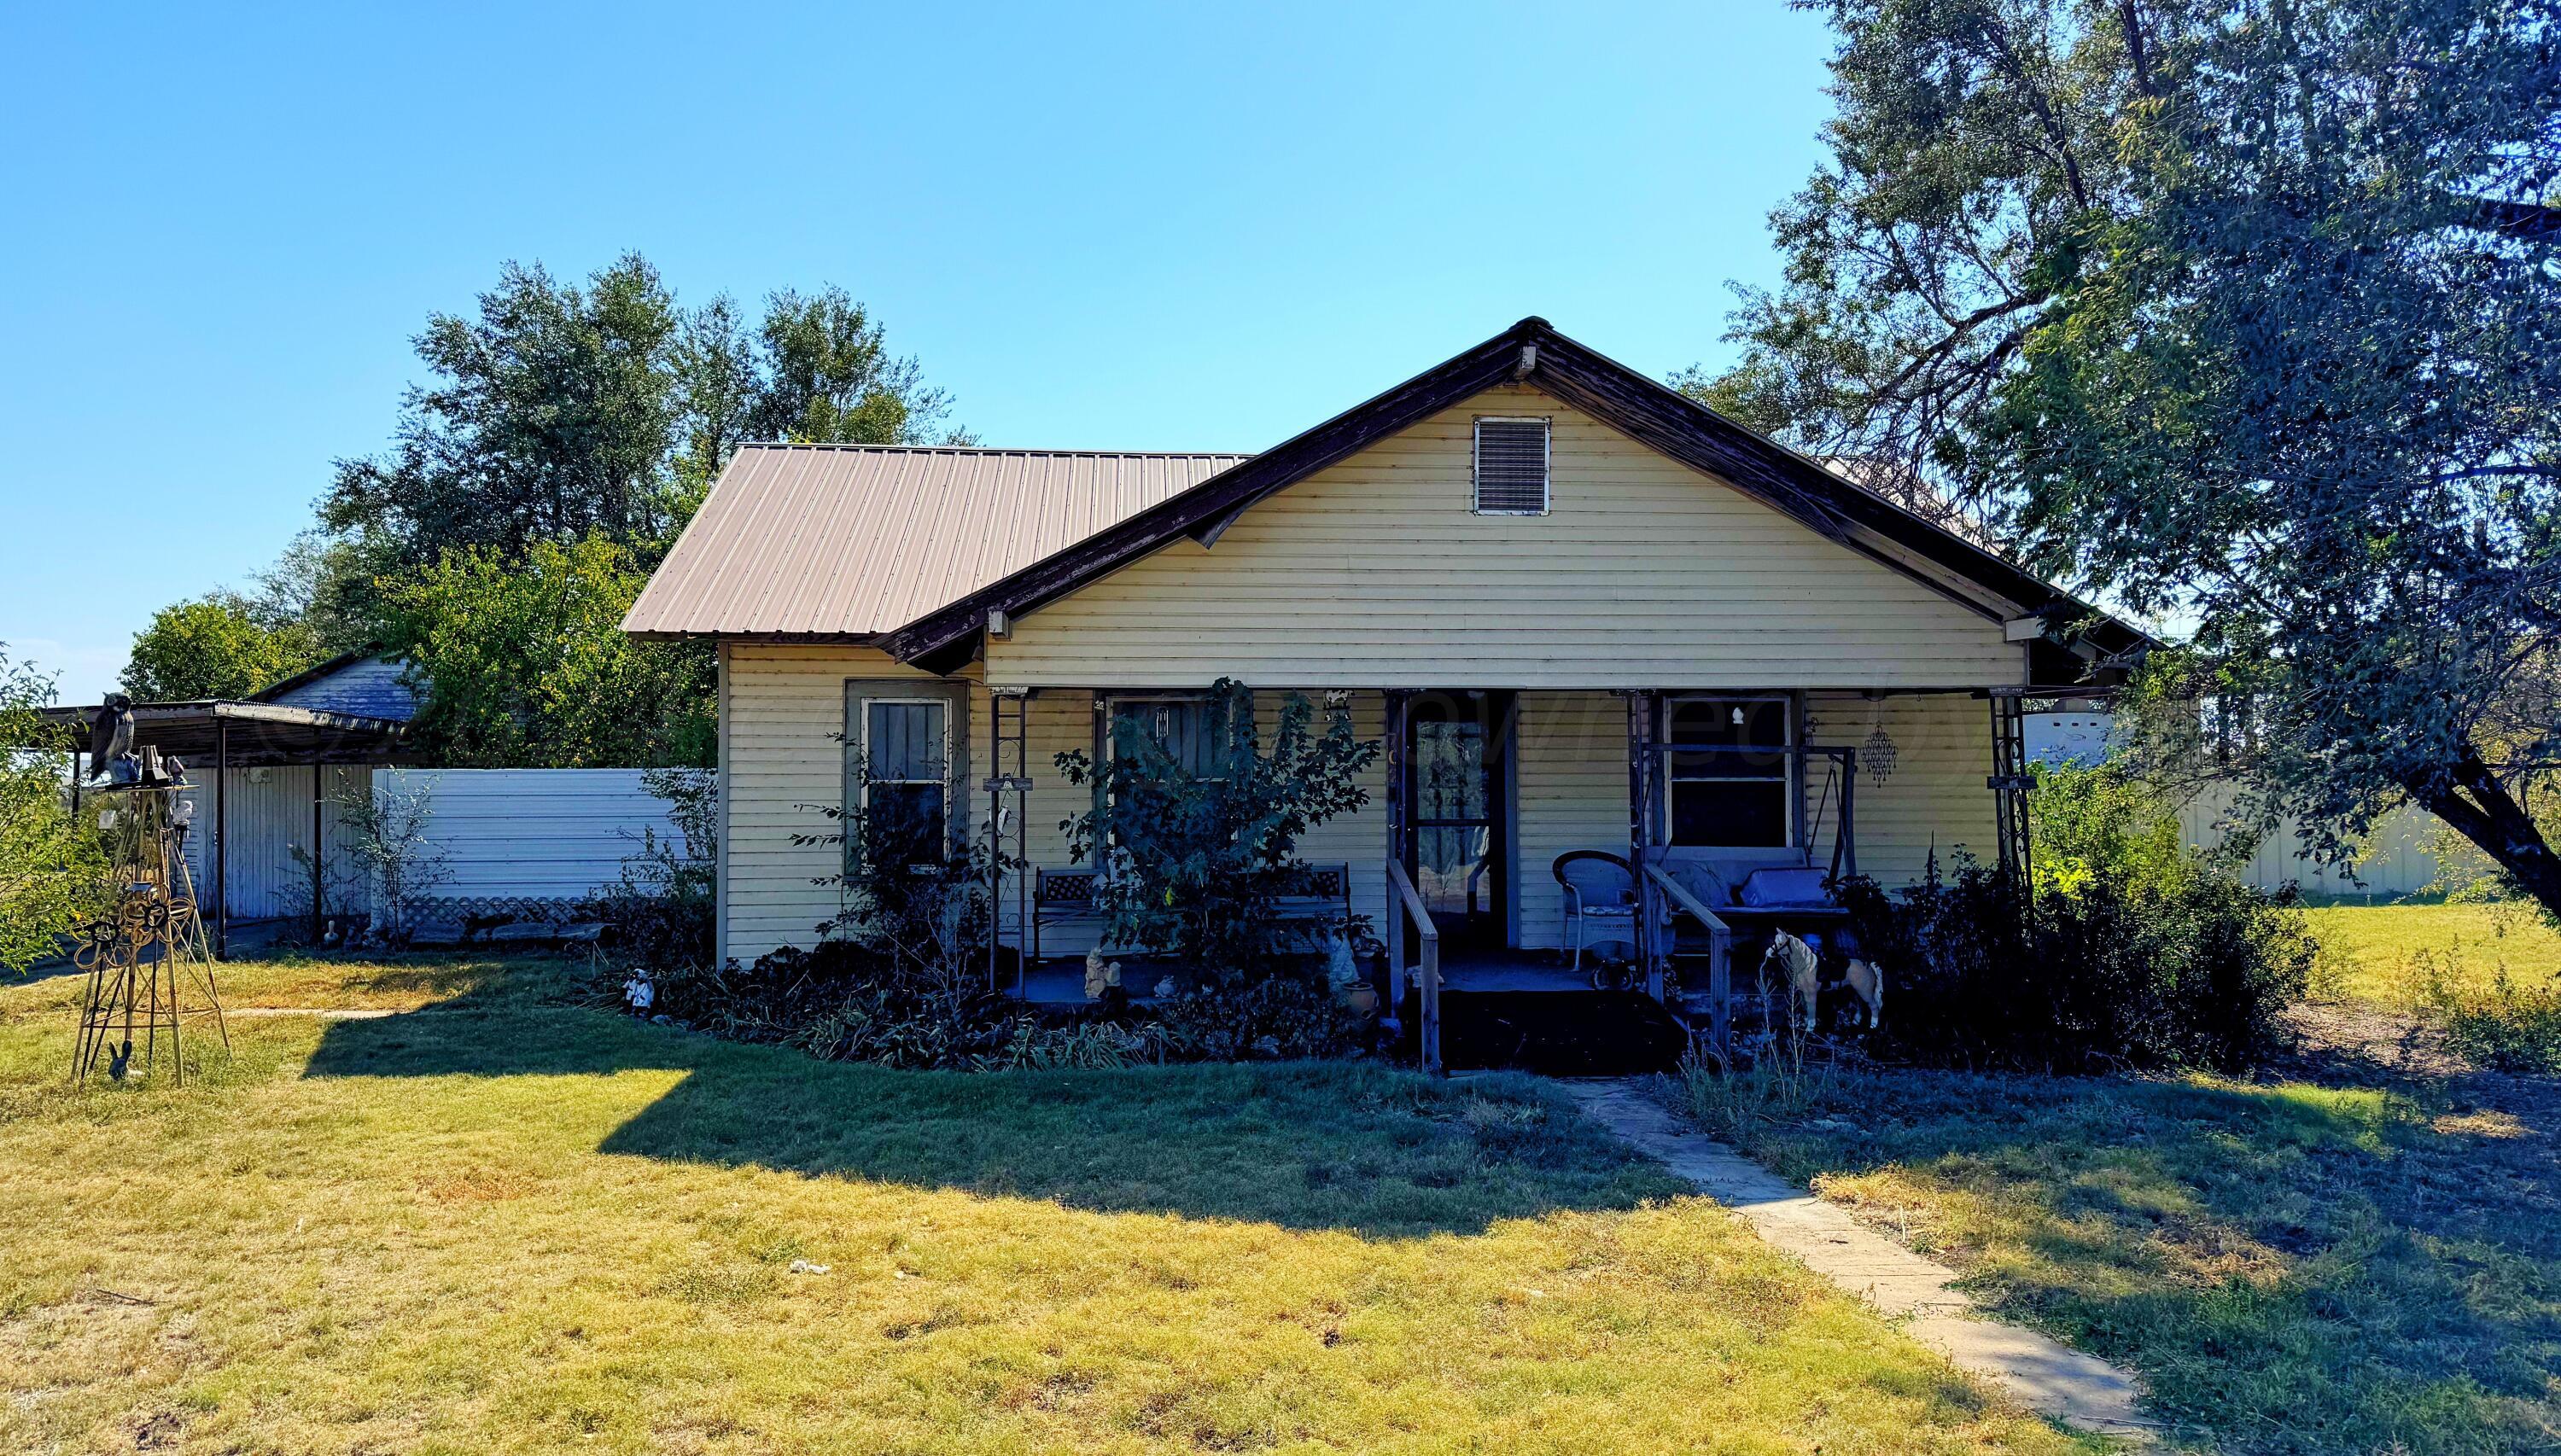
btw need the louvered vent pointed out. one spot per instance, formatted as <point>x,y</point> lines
<point>1511,467</point>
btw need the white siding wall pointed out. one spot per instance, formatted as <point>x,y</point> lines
<point>269,814</point>
<point>530,833</point>
<point>2397,861</point>
<point>1375,572</point>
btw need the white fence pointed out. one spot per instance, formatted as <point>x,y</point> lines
<point>502,832</point>
<point>2397,860</point>
<point>530,833</point>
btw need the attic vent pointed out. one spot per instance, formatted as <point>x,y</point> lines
<point>1511,467</point>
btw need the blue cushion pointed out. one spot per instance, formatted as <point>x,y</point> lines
<point>1769,889</point>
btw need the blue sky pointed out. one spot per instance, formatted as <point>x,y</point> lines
<point>1176,226</point>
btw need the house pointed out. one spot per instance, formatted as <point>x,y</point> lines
<point>1583,611</point>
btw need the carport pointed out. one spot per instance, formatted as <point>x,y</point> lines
<point>215,738</point>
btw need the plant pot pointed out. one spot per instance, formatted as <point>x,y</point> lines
<point>1361,997</point>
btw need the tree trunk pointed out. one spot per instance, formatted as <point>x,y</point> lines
<point>2469,797</point>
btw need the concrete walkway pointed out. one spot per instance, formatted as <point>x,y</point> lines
<point>324,1012</point>
<point>2045,1376</point>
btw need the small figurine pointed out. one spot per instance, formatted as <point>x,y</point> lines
<point>110,743</point>
<point>1098,977</point>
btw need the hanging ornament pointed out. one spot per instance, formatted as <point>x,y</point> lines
<point>1876,755</point>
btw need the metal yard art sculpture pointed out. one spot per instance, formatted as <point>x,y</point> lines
<point>147,958</point>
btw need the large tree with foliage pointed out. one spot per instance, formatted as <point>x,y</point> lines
<point>2240,313</point>
<point>219,645</point>
<point>524,664</point>
<point>51,869</point>
<point>558,412</point>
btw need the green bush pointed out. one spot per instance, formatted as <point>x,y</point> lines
<point>2129,950</point>
<point>2498,1021</point>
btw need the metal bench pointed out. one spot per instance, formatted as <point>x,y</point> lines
<point>1063,898</point>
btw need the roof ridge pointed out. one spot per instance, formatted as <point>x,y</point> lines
<point>990,450</point>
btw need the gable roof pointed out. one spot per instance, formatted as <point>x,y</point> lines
<point>920,536</point>
<point>827,541</point>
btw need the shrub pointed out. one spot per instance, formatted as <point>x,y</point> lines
<point>663,908</point>
<point>1200,860</point>
<point>1203,853</point>
<point>2127,951</point>
<point>2498,1021</point>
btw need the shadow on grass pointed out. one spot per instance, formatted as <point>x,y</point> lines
<point>2295,1269</point>
<point>1355,1147</point>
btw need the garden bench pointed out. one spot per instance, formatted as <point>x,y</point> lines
<point>1064,897</point>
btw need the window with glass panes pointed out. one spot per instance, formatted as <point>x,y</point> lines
<point>1732,792</point>
<point>906,749</point>
<point>1189,729</point>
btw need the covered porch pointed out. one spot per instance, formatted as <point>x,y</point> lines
<point>1480,794</point>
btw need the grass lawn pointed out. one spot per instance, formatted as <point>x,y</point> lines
<point>2365,950</point>
<point>2292,1270</point>
<point>501,1223</point>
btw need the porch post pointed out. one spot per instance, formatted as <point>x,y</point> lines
<point>1642,771</point>
<point>1398,703</point>
<point>2011,780</point>
<point>221,839</point>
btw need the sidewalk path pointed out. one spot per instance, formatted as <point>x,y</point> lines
<point>2044,1375</point>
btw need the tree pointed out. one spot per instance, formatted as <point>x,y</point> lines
<point>219,645</point>
<point>51,869</point>
<point>560,412</point>
<point>549,418</point>
<point>522,661</point>
<point>2243,314</point>
<point>1201,856</point>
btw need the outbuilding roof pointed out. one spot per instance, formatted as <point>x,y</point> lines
<point>832,541</point>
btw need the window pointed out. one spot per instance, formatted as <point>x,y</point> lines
<point>1511,467</point>
<point>1733,793</point>
<point>906,778</point>
<point>1188,729</point>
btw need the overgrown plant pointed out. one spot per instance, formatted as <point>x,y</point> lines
<point>51,869</point>
<point>663,907</point>
<point>2506,1021</point>
<point>1198,863</point>
<point>2129,951</point>
<point>387,835</point>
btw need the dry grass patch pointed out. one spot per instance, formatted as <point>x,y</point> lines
<point>501,1225</point>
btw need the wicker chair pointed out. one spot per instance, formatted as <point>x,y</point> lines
<point>1599,887</point>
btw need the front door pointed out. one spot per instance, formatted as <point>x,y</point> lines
<point>1457,748</point>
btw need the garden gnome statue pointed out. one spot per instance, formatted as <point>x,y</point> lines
<point>1099,976</point>
<point>110,741</point>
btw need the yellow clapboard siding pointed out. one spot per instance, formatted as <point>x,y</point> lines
<point>782,708</point>
<point>1935,798</point>
<point>785,708</point>
<point>1375,572</point>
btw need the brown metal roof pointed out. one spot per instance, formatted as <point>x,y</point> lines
<point>831,540</point>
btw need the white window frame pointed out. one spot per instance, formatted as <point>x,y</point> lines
<point>1790,775</point>
<point>865,748</point>
<point>1546,463</point>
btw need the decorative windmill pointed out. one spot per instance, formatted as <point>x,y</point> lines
<point>147,958</point>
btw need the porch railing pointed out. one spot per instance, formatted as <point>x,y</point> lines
<point>1720,949</point>
<point>1409,907</point>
